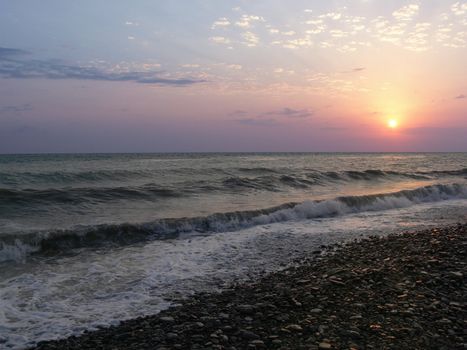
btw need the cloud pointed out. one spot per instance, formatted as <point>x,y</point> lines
<point>358,69</point>
<point>270,118</point>
<point>346,33</point>
<point>221,22</point>
<point>6,52</point>
<point>332,15</point>
<point>234,66</point>
<point>291,113</point>
<point>333,128</point>
<point>461,96</point>
<point>459,9</point>
<point>13,67</point>
<point>257,121</point>
<point>251,39</point>
<point>437,131</point>
<point>406,13</point>
<point>219,40</point>
<point>15,108</point>
<point>247,20</point>
<point>237,113</point>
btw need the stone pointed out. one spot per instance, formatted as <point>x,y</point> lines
<point>294,327</point>
<point>172,336</point>
<point>246,308</point>
<point>257,343</point>
<point>248,335</point>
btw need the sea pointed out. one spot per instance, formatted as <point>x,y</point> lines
<point>89,240</point>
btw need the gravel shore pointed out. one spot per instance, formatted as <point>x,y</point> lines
<point>405,291</point>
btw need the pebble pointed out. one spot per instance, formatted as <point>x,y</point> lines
<point>294,327</point>
<point>248,335</point>
<point>372,294</point>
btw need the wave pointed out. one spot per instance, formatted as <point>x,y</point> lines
<point>93,177</point>
<point>63,177</point>
<point>78,195</point>
<point>96,176</point>
<point>265,180</point>
<point>16,247</point>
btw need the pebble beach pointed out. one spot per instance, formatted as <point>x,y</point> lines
<point>403,291</point>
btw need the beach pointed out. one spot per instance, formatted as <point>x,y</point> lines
<point>403,291</point>
<point>92,241</point>
<point>233,175</point>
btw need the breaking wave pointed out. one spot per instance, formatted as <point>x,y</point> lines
<point>17,246</point>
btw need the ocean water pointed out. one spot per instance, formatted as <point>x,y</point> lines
<point>89,240</point>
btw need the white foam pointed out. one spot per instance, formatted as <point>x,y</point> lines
<point>233,221</point>
<point>67,295</point>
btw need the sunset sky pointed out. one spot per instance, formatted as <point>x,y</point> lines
<point>251,75</point>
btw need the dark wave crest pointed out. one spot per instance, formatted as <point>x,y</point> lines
<point>265,180</point>
<point>78,195</point>
<point>17,246</point>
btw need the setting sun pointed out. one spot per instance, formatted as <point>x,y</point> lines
<point>393,123</point>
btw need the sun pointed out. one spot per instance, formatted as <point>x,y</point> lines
<point>393,123</point>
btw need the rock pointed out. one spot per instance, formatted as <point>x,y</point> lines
<point>167,319</point>
<point>294,327</point>
<point>457,274</point>
<point>246,308</point>
<point>324,345</point>
<point>257,343</point>
<point>172,336</point>
<point>248,335</point>
<point>356,317</point>
<point>354,334</point>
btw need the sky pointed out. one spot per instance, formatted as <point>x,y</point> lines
<point>233,76</point>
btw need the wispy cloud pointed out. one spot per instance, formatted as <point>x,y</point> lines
<point>251,39</point>
<point>7,52</point>
<point>219,40</point>
<point>238,112</point>
<point>15,108</point>
<point>247,21</point>
<point>257,121</point>
<point>14,66</point>
<point>345,32</point>
<point>459,8</point>
<point>221,22</point>
<point>333,128</point>
<point>406,13</point>
<point>461,96</point>
<point>437,131</point>
<point>270,118</point>
<point>291,113</point>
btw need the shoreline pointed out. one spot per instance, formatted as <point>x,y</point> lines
<point>403,291</point>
